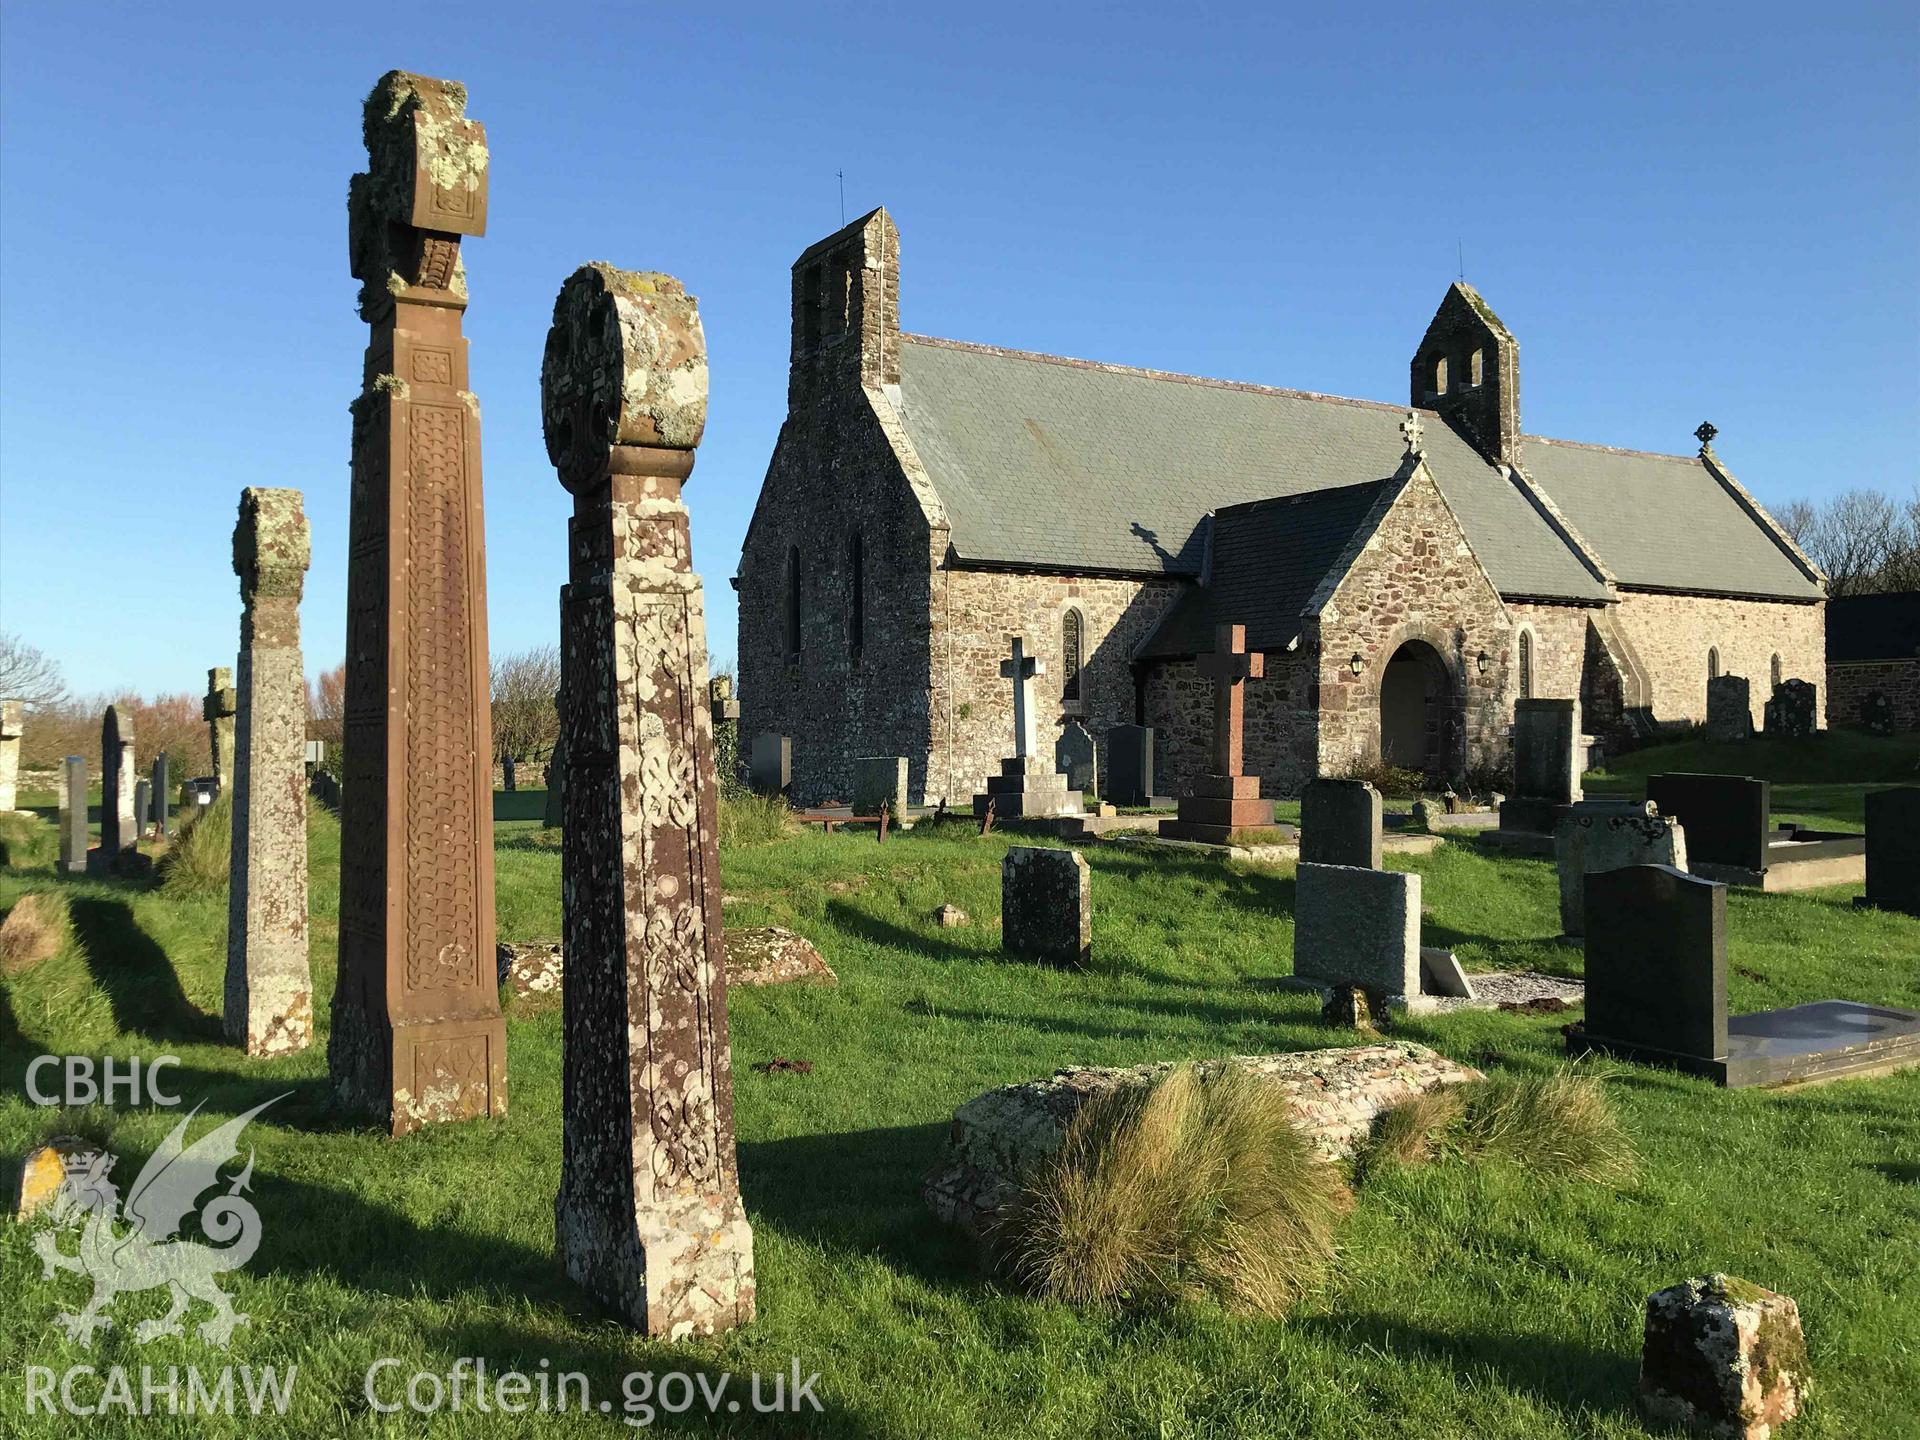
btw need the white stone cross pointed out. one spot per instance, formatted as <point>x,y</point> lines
<point>1413,430</point>
<point>1022,669</point>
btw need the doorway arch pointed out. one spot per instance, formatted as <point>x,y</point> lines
<point>1416,709</point>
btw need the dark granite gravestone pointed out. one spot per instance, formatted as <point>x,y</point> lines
<point>1729,708</point>
<point>1046,905</point>
<point>1340,824</point>
<point>1076,757</point>
<point>1893,850</point>
<point>770,770</point>
<point>1657,994</point>
<point>1130,765</point>
<point>142,805</point>
<point>1793,711</point>
<point>1725,816</point>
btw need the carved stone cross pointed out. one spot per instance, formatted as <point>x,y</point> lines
<point>218,709</point>
<point>1414,432</point>
<point>1705,434</point>
<point>1229,667</point>
<point>1022,669</point>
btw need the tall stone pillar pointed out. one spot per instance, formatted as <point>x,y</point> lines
<point>649,1215</point>
<point>222,703</point>
<point>12,723</point>
<point>117,829</point>
<point>73,814</point>
<point>417,1035</point>
<point>269,991</point>
<point>162,800</point>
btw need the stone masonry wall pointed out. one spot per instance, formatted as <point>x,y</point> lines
<point>1279,733</point>
<point>974,613</point>
<point>1416,579</point>
<point>1849,684</point>
<point>1559,648</point>
<point>1673,634</point>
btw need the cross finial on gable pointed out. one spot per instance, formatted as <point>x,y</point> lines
<point>1414,431</point>
<point>1705,434</point>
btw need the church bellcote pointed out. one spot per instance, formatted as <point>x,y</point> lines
<point>1467,369</point>
<point>846,310</point>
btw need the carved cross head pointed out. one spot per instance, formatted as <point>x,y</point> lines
<point>1019,665</point>
<point>1230,662</point>
<point>1414,432</point>
<point>1705,433</point>
<point>625,364</point>
<point>271,544</point>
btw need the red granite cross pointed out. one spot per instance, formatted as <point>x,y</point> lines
<point>1229,667</point>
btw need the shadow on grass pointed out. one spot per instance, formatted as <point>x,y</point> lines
<point>1585,1384</point>
<point>1898,1171</point>
<point>856,921</point>
<point>137,978</point>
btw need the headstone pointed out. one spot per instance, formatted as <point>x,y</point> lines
<point>142,805</point>
<point>1721,1356</point>
<point>508,773</point>
<point>269,988</point>
<point>1893,849</point>
<point>1656,963</point>
<point>162,796</point>
<point>1046,905</point>
<point>1075,756</point>
<point>73,814</point>
<point>880,780</point>
<point>218,709</point>
<point>771,770</point>
<point>1130,765</point>
<point>12,725</point>
<point>649,1215</point>
<point>1340,823</point>
<point>1729,708</point>
<point>118,831</point>
<point>1546,764</point>
<point>1726,817</point>
<point>1793,711</point>
<point>1597,835</point>
<point>1357,927</point>
<point>1028,785</point>
<point>417,1035</point>
<point>720,699</point>
<point>1224,799</point>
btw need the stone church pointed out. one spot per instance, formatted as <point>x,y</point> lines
<point>1407,569</point>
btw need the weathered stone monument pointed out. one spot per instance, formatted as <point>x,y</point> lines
<point>269,989</point>
<point>1547,756</point>
<point>770,770</point>
<point>649,1215</point>
<point>73,814</point>
<point>12,726</point>
<point>118,832</point>
<point>1893,850</point>
<point>1028,785</point>
<point>1340,824</point>
<point>1596,835</point>
<point>142,805</point>
<point>417,1035</point>
<point>1721,1356</point>
<point>1129,773</point>
<point>1046,905</point>
<point>880,780</point>
<point>1224,799</point>
<point>1729,708</point>
<point>726,731</point>
<point>1357,927</point>
<point>219,708</point>
<point>1794,710</point>
<point>1076,757</point>
<point>162,797</point>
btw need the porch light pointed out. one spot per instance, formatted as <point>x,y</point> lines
<point>1482,663</point>
<point>1356,664</point>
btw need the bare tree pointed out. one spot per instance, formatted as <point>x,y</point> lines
<point>29,675</point>
<point>327,705</point>
<point>1866,541</point>
<point>526,721</point>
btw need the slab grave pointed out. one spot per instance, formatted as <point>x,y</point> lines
<point>1595,835</point>
<point>1547,756</point>
<point>119,834</point>
<point>1729,708</point>
<point>1340,823</point>
<point>1028,786</point>
<point>1656,973</point>
<point>1731,836</point>
<point>1794,710</point>
<point>221,705</point>
<point>1046,905</point>
<point>880,780</point>
<point>142,805</point>
<point>162,796</point>
<point>1893,850</point>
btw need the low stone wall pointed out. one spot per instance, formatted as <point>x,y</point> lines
<point>1851,682</point>
<point>998,1138</point>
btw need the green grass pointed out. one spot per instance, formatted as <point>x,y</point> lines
<point>1475,1300</point>
<point>1820,781</point>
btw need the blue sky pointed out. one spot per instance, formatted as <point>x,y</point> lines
<point>1683,212</point>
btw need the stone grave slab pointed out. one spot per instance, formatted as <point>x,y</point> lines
<point>1129,773</point>
<point>880,780</point>
<point>1794,710</point>
<point>1893,850</point>
<point>1729,708</point>
<point>1340,824</point>
<point>1358,927</point>
<point>1046,905</point>
<point>1599,835</point>
<point>1725,816</point>
<point>770,770</point>
<point>1076,757</point>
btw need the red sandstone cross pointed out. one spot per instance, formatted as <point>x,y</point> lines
<point>1228,667</point>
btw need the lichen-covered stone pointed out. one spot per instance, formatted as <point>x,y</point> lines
<point>218,709</point>
<point>772,955</point>
<point>997,1139</point>
<point>531,968</point>
<point>1600,835</point>
<point>12,724</point>
<point>118,833</point>
<point>1724,1358</point>
<point>44,1171</point>
<point>1046,904</point>
<point>649,1216</point>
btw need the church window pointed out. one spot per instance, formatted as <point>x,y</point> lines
<point>1713,663</point>
<point>856,593</point>
<point>810,307</point>
<point>1440,376</point>
<point>1777,672</point>
<point>1070,641</point>
<point>793,604</point>
<point>1477,368</point>
<point>1526,665</point>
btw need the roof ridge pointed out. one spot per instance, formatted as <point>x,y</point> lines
<point>1613,449</point>
<point>1145,373</point>
<point>1303,496</point>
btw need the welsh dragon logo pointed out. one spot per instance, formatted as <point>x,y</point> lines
<point>146,1254</point>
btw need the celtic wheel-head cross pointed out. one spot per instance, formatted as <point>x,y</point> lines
<point>1705,434</point>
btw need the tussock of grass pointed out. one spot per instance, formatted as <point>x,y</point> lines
<point>1196,1187</point>
<point>748,819</point>
<point>198,860</point>
<point>34,930</point>
<point>26,841</point>
<point>1559,1124</point>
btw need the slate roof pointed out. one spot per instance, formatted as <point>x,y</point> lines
<point>1873,627</point>
<point>1267,559</point>
<point>1072,465</point>
<point>1068,464</point>
<point>1662,521</point>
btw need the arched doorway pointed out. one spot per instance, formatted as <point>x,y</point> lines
<point>1416,699</point>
